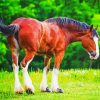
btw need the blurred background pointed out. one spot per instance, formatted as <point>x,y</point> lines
<point>83,10</point>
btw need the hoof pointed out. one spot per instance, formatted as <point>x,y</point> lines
<point>48,90</point>
<point>59,90</point>
<point>19,91</point>
<point>29,91</point>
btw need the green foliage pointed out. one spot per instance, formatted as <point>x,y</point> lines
<point>75,57</point>
<point>3,50</point>
<point>96,21</point>
<point>9,8</point>
<point>82,10</point>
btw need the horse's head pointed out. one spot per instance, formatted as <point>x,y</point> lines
<point>90,42</point>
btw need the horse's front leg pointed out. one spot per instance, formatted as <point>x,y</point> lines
<point>43,85</point>
<point>18,88</point>
<point>54,84</point>
<point>24,64</point>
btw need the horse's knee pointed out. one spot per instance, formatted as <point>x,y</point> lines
<point>27,59</point>
<point>23,64</point>
<point>48,68</point>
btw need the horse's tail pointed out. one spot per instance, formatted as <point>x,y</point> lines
<point>8,29</point>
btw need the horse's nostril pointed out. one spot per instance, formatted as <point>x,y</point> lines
<point>93,54</point>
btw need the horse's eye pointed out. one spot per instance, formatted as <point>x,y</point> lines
<point>91,38</point>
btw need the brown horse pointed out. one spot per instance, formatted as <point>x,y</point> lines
<point>50,38</point>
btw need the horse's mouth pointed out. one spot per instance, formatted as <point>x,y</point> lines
<point>93,55</point>
<point>93,58</point>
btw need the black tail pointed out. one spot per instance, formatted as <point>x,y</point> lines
<point>8,29</point>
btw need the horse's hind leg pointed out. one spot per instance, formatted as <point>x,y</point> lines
<point>18,88</point>
<point>43,85</point>
<point>24,64</point>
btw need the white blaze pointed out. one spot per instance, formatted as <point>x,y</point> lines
<point>97,46</point>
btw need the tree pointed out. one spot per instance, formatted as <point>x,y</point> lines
<point>83,10</point>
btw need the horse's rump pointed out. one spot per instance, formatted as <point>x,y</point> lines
<point>29,33</point>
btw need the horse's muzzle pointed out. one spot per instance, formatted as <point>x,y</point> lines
<point>93,55</point>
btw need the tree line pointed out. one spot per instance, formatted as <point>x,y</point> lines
<point>83,10</point>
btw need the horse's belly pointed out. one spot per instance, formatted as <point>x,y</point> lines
<point>46,51</point>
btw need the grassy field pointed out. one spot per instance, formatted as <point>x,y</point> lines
<point>77,85</point>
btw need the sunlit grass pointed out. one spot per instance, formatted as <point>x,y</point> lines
<point>77,85</point>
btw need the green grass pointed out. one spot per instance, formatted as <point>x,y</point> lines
<point>77,85</point>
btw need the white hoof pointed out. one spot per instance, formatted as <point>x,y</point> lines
<point>19,90</point>
<point>58,90</point>
<point>29,89</point>
<point>43,87</point>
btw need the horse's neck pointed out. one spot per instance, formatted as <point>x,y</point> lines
<point>72,36</point>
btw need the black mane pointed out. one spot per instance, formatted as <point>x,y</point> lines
<point>68,21</point>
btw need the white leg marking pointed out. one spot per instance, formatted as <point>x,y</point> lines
<point>18,88</point>
<point>43,84</point>
<point>27,79</point>
<point>97,46</point>
<point>54,84</point>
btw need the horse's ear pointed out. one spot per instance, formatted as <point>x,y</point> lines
<point>96,28</point>
<point>91,28</point>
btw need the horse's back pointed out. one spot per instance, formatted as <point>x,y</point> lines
<point>23,22</point>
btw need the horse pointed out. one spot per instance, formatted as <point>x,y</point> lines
<point>49,38</point>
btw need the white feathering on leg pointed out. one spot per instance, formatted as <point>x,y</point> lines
<point>27,79</point>
<point>43,84</point>
<point>54,84</point>
<point>18,88</point>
